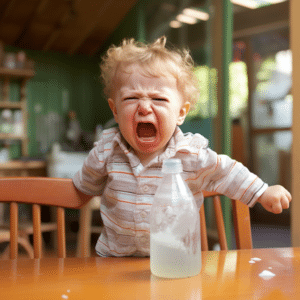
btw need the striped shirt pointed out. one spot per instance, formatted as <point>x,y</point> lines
<point>113,171</point>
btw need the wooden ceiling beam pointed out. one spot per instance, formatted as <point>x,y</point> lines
<point>91,12</point>
<point>66,18</point>
<point>8,8</point>
<point>39,6</point>
<point>42,6</point>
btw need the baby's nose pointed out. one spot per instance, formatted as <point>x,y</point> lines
<point>144,107</point>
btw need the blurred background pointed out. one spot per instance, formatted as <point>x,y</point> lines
<point>52,105</point>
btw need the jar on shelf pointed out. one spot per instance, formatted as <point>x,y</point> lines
<point>6,122</point>
<point>10,61</point>
<point>21,60</point>
<point>18,123</point>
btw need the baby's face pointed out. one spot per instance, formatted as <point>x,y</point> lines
<point>147,110</point>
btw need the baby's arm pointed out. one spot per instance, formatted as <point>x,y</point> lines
<point>91,178</point>
<point>275,198</point>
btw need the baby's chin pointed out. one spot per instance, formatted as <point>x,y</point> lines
<point>146,154</point>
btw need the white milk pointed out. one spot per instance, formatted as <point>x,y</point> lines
<point>170,258</point>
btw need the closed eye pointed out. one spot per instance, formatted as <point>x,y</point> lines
<point>160,99</point>
<point>130,98</point>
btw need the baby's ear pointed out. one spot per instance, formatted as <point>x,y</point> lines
<point>183,112</point>
<point>113,108</point>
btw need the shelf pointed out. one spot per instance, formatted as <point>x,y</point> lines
<point>11,105</point>
<point>20,77</point>
<point>16,73</point>
<point>9,136</point>
<point>23,165</point>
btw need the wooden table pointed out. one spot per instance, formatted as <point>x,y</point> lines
<point>224,275</point>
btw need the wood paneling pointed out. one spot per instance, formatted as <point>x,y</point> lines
<point>295,46</point>
<point>62,26</point>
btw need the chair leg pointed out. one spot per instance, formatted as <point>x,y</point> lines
<point>27,246</point>
<point>26,237</point>
<point>22,242</point>
<point>84,234</point>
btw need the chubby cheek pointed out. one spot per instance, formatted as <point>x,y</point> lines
<point>126,126</point>
<point>124,115</point>
<point>166,130</point>
<point>168,120</point>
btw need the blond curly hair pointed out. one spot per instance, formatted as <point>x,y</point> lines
<point>156,60</point>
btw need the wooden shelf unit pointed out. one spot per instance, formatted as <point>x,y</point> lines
<point>22,76</point>
<point>16,73</point>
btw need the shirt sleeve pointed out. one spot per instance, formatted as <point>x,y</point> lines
<point>224,175</point>
<point>91,178</point>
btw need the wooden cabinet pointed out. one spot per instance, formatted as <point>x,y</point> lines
<point>21,77</point>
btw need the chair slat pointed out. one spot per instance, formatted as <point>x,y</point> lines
<point>242,225</point>
<point>37,233</point>
<point>220,223</point>
<point>84,234</point>
<point>61,232</point>
<point>14,220</point>
<point>203,230</point>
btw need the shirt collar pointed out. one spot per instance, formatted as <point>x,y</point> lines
<point>134,161</point>
<point>179,142</point>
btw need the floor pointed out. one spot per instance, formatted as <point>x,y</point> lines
<point>270,236</point>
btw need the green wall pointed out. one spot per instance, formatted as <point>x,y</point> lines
<point>63,82</point>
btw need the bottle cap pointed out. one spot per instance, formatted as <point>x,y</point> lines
<point>172,165</point>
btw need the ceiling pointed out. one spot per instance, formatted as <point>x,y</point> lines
<point>82,26</point>
<point>69,26</point>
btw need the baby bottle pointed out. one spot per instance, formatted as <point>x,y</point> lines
<point>175,250</point>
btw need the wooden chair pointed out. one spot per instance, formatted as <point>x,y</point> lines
<point>56,192</point>
<point>241,221</point>
<point>62,194</point>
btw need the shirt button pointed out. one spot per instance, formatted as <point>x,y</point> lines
<point>143,214</point>
<point>146,188</point>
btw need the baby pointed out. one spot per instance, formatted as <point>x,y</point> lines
<point>150,90</point>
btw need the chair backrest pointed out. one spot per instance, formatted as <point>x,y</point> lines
<point>61,193</point>
<point>241,222</point>
<point>57,192</point>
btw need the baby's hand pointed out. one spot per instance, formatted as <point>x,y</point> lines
<point>275,198</point>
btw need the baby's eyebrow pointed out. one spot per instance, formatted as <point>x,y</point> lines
<point>156,94</point>
<point>133,93</point>
<point>142,92</point>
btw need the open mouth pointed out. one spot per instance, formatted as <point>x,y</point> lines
<point>146,131</point>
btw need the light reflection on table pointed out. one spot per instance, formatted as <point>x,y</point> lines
<point>224,275</point>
